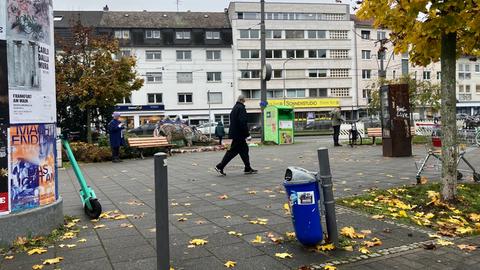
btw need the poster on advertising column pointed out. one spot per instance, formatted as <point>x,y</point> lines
<point>31,62</point>
<point>32,165</point>
<point>4,118</point>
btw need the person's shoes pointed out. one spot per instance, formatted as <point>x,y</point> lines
<point>338,144</point>
<point>116,161</point>
<point>250,171</point>
<point>220,171</point>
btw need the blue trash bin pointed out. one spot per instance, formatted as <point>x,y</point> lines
<point>304,197</point>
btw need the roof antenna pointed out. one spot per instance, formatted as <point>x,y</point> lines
<point>178,3</point>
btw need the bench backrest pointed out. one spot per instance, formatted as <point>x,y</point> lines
<point>377,132</point>
<point>147,141</point>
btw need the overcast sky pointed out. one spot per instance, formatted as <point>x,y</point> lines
<point>161,5</point>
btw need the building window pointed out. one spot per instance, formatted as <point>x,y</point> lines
<point>294,34</point>
<point>126,100</point>
<point>250,74</point>
<point>122,34</point>
<point>426,75</point>
<point>154,77</point>
<point>251,94</point>
<point>404,66</point>
<point>439,75</point>
<point>366,54</point>
<point>184,77</point>
<point>321,53</point>
<point>477,68</point>
<point>366,93</point>
<point>250,34</point>
<point>182,35</point>
<point>274,34</point>
<point>273,54</point>
<point>212,35</point>
<point>154,98</point>
<point>338,34</point>
<point>366,74</point>
<point>320,92</point>
<point>153,55</point>
<point>185,98</point>
<point>248,15</point>
<point>365,34</point>
<point>340,92</point>
<point>295,54</point>
<point>214,76</point>
<point>460,88</point>
<point>464,72</point>
<point>317,34</point>
<point>333,16</point>
<point>339,73</point>
<point>184,55</point>
<point>477,87</point>
<point>214,55</point>
<point>381,35</point>
<point>215,98</point>
<point>123,53</point>
<point>317,73</point>
<point>295,93</point>
<point>277,74</point>
<point>275,93</point>
<point>339,54</point>
<point>467,88</point>
<point>224,118</point>
<point>152,34</point>
<point>249,54</point>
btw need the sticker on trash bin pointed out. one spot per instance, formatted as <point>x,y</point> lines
<point>305,198</point>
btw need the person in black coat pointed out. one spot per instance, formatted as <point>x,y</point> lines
<point>115,129</point>
<point>239,134</point>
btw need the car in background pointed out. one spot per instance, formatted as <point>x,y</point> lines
<point>209,128</point>
<point>143,130</point>
<point>370,121</point>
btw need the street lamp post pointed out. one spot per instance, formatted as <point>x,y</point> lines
<point>209,116</point>
<point>284,79</point>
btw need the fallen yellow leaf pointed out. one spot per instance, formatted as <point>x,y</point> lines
<point>378,216</point>
<point>99,226</point>
<point>252,192</point>
<point>348,248</point>
<point>290,235</point>
<point>71,246</point>
<point>120,217</point>
<point>227,217</point>
<point>375,242</point>
<point>68,235</point>
<point>364,250</point>
<point>36,251</point>
<point>37,267</point>
<point>348,232</point>
<point>9,257</point>
<point>325,247</point>
<point>198,242</point>
<point>286,207</point>
<point>235,233</point>
<point>283,255</point>
<point>258,240</point>
<point>443,242</point>
<point>329,267</point>
<point>83,240</point>
<point>52,261</point>
<point>474,217</point>
<point>464,230</point>
<point>182,219</point>
<point>223,197</point>
<point>230,264</point>
<point>432,235</point>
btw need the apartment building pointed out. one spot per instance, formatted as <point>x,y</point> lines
<point>310,49</point>
<point>185,59</point>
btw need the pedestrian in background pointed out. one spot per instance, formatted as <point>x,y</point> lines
<point>337,120</point>
<point>239,134</point>
<point>220,132</point>
<point>115,129</point>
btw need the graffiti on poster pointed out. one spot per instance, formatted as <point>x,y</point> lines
<point>31,66</point>
<point>32,165</point>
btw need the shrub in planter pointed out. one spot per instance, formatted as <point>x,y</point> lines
<point>85,152</point>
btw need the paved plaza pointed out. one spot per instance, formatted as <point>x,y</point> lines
<point>197,192</point>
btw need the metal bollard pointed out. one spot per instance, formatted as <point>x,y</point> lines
<point>161,211</point>
<point>325,176</point>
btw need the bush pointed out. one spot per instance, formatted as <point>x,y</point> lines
<point>85,152</point>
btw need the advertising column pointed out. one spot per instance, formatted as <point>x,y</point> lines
<point>4,118</point>
<point>32,107</point>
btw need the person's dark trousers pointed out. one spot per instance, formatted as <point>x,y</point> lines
<point>220,140</point>
<point>115,153</point>
<point>336,134</point>
<point>238,147</point>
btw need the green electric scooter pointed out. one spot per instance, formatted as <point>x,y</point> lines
<point>91,205</point>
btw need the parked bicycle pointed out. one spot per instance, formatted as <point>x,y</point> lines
<point>354,137</point>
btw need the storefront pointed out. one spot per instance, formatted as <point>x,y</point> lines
<point>137,115</point>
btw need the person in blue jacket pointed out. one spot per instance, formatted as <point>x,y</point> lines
<point>115,129</point>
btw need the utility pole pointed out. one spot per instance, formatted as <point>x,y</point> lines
<point>382,73</point>
<point>263,86</point>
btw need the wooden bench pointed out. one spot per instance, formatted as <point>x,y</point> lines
<point>150,142</point>
<point>377,132</point>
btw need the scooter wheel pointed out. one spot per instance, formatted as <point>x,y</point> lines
<point>96,210</point>
<point>459,176</point>
<point>476,177</point>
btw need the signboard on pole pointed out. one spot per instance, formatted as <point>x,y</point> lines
<point>31,61</point>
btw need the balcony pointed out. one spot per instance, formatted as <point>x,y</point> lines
<point>464,97</point>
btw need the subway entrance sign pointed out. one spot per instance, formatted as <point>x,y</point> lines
<point>279,124</point>
<point>306,102</point>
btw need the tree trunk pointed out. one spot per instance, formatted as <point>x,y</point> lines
<point>448,114</point>
<point>89,125</point>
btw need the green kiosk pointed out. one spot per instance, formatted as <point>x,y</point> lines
<point>279,124</point>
